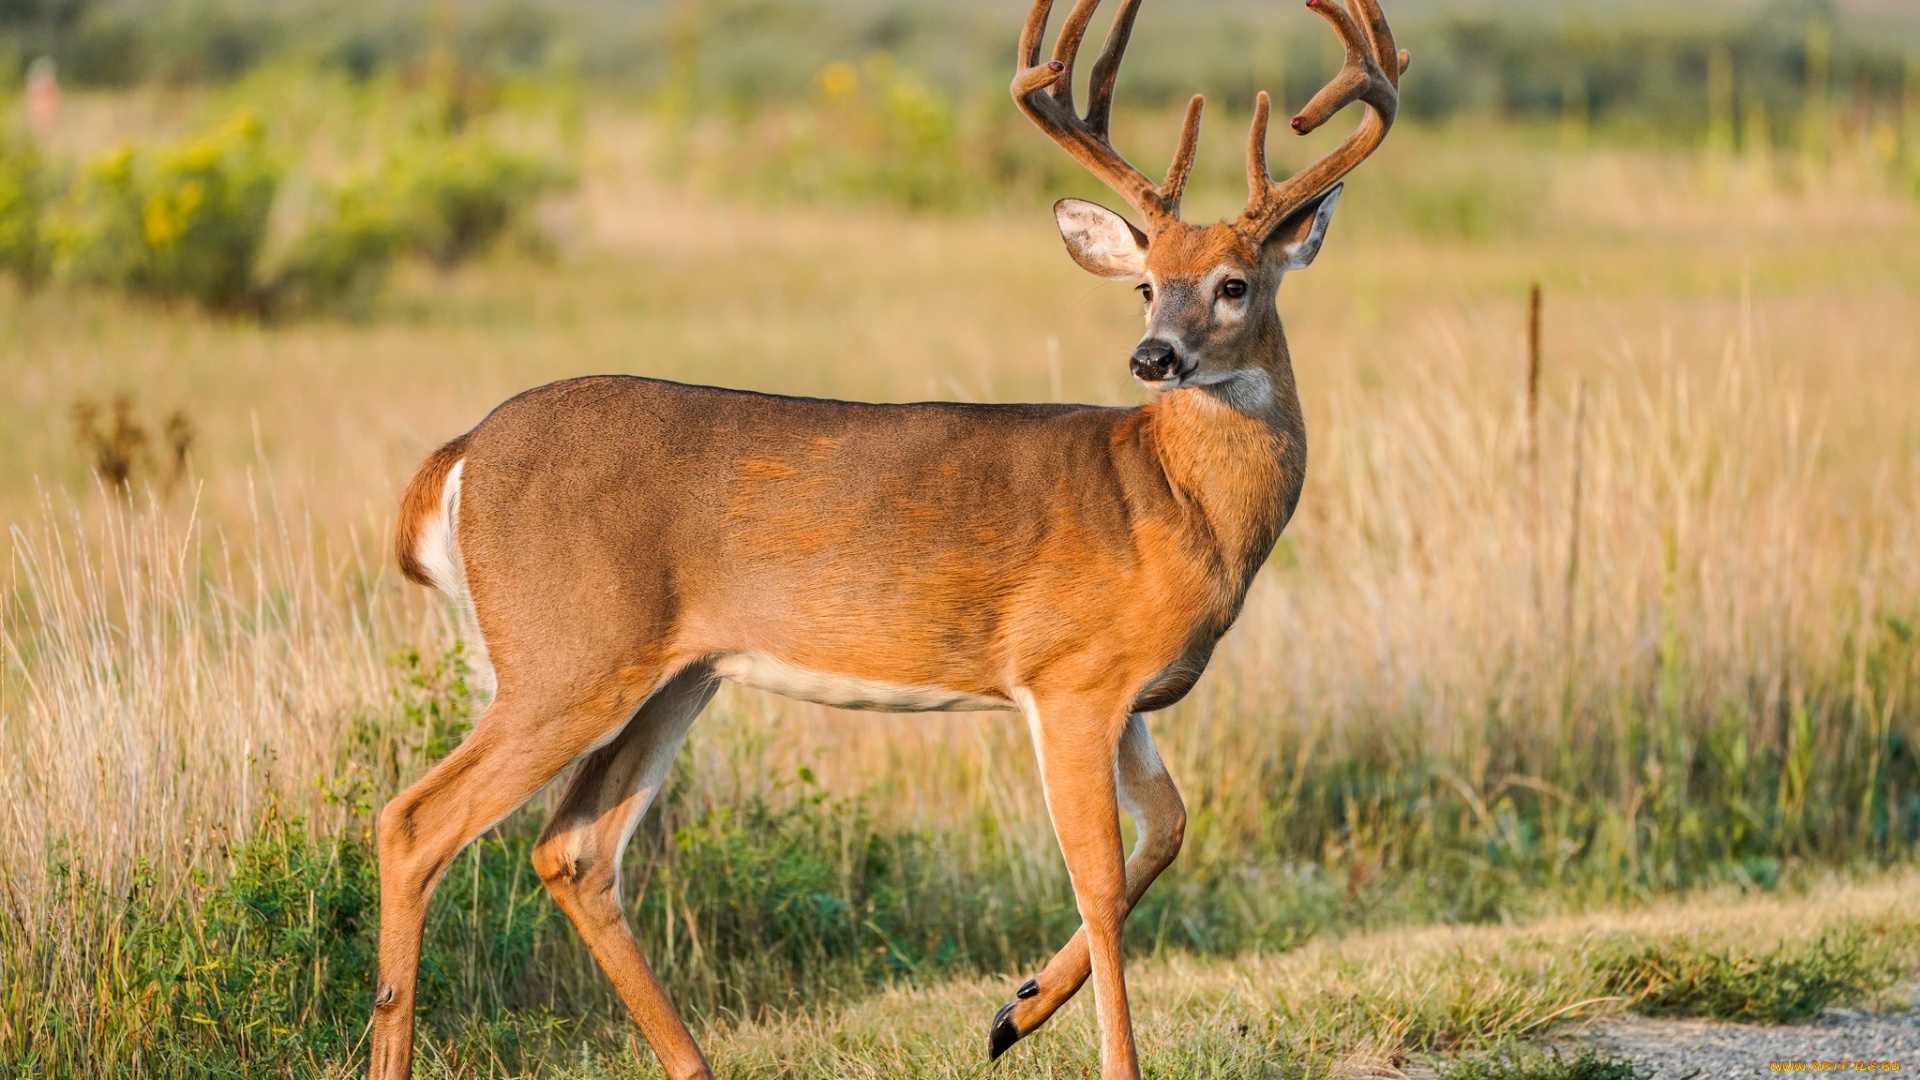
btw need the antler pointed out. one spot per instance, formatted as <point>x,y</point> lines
<point>1371,74</point>
<point>1045,93</point>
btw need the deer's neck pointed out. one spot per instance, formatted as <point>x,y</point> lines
<point>1235,455</point>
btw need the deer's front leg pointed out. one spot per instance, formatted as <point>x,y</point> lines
<point>1077,743</point>
<point>1150,797</point>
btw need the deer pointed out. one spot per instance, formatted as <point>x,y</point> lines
<point>619,545</point>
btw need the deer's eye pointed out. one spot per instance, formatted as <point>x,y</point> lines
<point>1233,288</point>
<point>1146,293</point>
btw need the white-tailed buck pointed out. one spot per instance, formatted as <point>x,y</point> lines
<point>624,544</point>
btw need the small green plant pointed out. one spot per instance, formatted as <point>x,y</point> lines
<point>1790,983</point>
<point>1587,1064</point>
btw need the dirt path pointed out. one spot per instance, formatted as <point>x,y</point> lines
<point>1707,1050</point>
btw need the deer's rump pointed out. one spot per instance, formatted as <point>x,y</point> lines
<point>885,556</point>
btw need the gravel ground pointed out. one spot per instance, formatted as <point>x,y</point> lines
<point>1680,1048</point>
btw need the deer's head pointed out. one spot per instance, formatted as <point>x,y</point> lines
<point>1209,290</point>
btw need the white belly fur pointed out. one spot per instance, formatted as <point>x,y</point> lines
<point>763,672</point>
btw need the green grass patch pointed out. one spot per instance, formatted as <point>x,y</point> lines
<point>1792,982</point>
<point>1587,1064</point>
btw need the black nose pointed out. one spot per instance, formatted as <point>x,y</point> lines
<point>1155,361</point>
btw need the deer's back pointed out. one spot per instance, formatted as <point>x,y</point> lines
<point>932,543</point>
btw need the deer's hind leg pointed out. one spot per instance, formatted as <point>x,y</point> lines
<point>1147,792</point>
<point>532,730</point>
<point>578,856</point>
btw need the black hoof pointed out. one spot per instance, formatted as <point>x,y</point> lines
<point>1028,989</point>
<point>1003,1034</point>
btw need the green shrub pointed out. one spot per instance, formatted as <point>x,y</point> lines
<point>459,194</point>
<point>204,216</point>
<point>875,133</point>
<point>445,198</point>
<point>95,233</point>
<point>189,225</point>
<point>1792,982</point>
<point>271,965</point>
<point>192,221</point>
<point>341,260</point>
<point>23,192</point>
<point>918,165</point>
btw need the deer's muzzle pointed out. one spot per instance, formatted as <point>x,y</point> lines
<point>1155,361</point>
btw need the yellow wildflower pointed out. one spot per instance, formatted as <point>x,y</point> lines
<point>838,79</point>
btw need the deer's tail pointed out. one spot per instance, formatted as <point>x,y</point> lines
<point>427,539</point>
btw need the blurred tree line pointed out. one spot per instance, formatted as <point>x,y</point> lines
<point>123,43</point>
<point>1646,72</point>
<point>904,101</point>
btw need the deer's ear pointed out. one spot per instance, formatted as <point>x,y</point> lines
<point>1101,241</point>
<point>1298,238</point>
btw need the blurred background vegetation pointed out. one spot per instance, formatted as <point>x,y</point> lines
<point>904,101</point>
<point>334,137</point>
<point>1640,68</point>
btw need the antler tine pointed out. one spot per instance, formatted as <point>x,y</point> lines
<point>1370,74</point>
<point>1086,139</point>
<point>1066,51</point>
<point>1383,41</point>
<point>1374,21</point>
<point>1033,34</point>
<point>1106,69</point>
<point>1175,184</point>
<point>1258,180</point>
<point>1356,78</point>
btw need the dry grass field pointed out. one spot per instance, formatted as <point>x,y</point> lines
<point>1656,637</point>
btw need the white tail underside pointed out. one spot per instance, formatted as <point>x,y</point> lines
<point>439,554</point>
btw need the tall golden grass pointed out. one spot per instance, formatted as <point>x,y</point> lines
<point>158,675</point>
